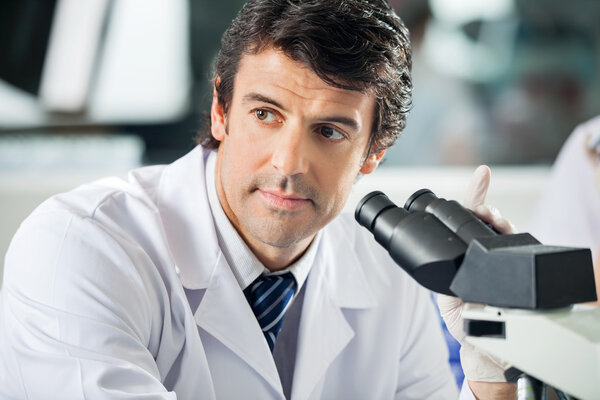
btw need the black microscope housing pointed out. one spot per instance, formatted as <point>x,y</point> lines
<point>447,249</point>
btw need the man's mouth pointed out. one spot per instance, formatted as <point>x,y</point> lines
<point>284,201</point>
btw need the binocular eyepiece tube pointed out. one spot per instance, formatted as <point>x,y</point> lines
<point>427,238</point>
<point>458,219</point>
<point>380,215</point>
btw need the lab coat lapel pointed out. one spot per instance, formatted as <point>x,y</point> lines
<point>226,315</point>
<point>187,220</point>
<point>336,282</point>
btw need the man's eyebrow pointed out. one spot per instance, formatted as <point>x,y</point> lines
<point>262,98</point>
<point>349,122</point>
<point>338,119</point>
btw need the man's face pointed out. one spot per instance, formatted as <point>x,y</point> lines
<point>291,148</point>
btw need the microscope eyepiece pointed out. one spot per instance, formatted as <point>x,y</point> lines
<point>380,215</point>
<point>419,200</point>
<point>370,207</point>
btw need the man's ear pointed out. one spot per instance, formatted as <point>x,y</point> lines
<point>217,115</point>
<point>371,163</point>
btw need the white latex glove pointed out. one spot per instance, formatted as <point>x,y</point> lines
<point>477,366</point>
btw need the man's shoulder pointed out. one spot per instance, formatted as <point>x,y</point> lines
<point>105,224</point>
<point>103,195</point>
<point>109,210</point>
<point>140,191</point>
<point>355,244</point>
<point>346,231</point>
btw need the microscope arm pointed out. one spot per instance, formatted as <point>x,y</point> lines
<point>560,347</point>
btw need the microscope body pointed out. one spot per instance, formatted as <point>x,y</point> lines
<point>447,249</point>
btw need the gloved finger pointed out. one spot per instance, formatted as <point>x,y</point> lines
<point>505,227</point>
<point>487,212</point>
<point>451,311</point>
<point>478,187</point>
<point>492,216</point>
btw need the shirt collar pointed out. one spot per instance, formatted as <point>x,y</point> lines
<point>244,264</point>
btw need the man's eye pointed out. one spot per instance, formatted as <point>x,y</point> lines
<point>264,115</point>
<point>330,133</point>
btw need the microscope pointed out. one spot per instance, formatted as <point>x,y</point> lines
<point>530,320</point>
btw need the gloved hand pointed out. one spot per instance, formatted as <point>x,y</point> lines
<point>476,365</point>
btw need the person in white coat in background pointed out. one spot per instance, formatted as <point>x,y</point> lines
<point>150,288</point>
<point>571,198</point>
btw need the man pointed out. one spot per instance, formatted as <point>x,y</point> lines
<point>153,288</point>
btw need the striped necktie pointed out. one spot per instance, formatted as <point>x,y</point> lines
<point>270,296</point>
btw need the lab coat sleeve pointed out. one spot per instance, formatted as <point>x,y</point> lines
<point>425,355</point>
<point>77,319</point>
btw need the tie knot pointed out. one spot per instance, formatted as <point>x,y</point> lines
<point>270,296</point>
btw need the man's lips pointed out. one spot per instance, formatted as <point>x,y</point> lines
<point>284,201</point>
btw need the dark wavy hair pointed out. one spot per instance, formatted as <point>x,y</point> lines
<point>351,44</point>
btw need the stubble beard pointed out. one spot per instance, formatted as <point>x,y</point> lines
<point>281,228</point>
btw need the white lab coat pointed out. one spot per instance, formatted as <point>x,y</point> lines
<point>119,288</point>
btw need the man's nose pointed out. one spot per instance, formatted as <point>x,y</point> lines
<point>290,155</point>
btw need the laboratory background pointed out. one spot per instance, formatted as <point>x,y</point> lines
<point>95,88</point>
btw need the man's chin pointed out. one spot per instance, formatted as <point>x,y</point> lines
<point>283,238</point>
<point>282,241</point>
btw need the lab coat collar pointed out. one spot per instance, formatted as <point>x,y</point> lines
<point>187,220</point>
<point>342,267</point>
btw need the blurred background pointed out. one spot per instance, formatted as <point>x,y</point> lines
<point>97,87</point>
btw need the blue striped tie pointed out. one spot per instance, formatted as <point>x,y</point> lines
<point>270,296</point>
